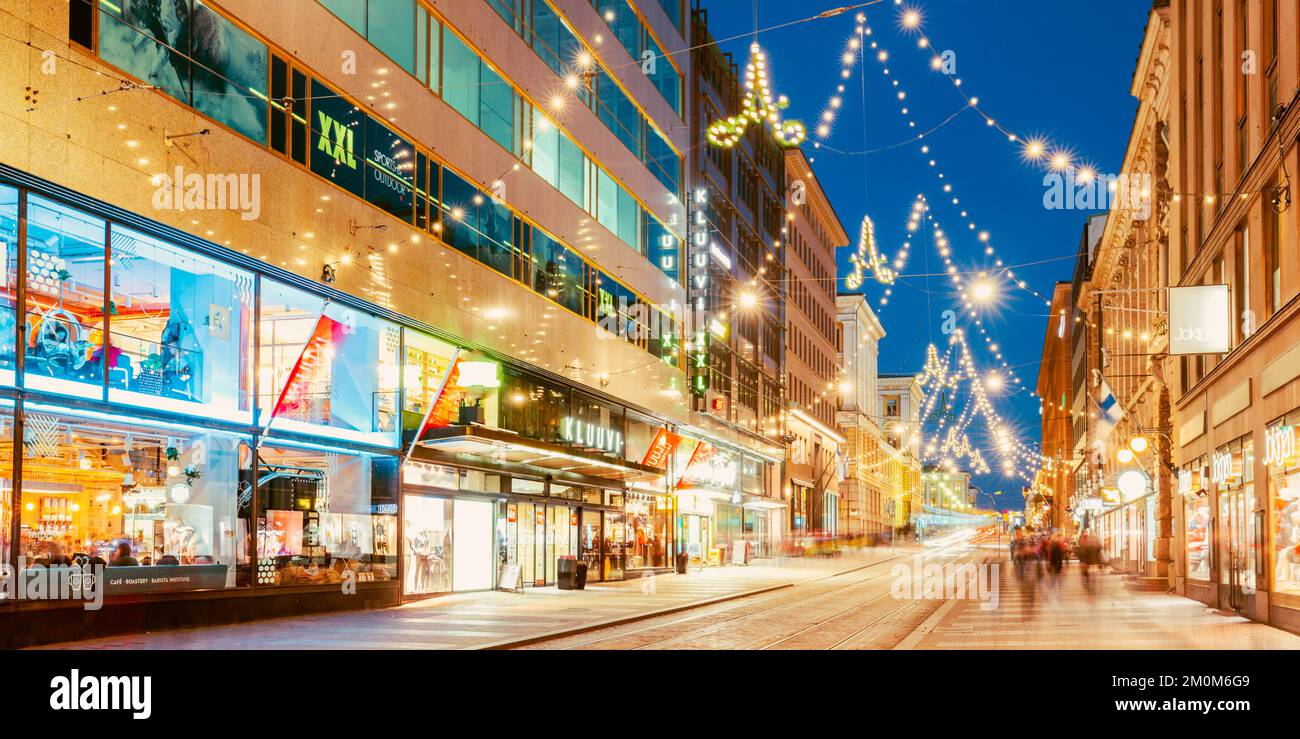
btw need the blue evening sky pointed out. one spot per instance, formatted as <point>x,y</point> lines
<point>1060,70</point>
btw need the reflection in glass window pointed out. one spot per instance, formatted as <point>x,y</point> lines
<point>460,76</point>
<point>325,517</point>
<point>423,373</point>
<point>497,108</point>
<point>229,72</point>
<point>181,329</point>
<point>9,286</point>
<point>390,169</point>
<point>156,505</point>
<point>65,299</point>
<point>326,365</point>
<point>558,272</point>
<point>391,28</point>
<point>533,407</point>
<point>351,12</point>
<point>149,41</point>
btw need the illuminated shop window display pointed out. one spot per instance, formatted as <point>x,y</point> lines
<point>427,525</point>
<point>327,368</point>
<point>649,530</point>
<point>181,328</point>
<point>1197,522</point>
<point>1232,469</point>
<point>65,253</point>
<point>8,288</point>
<point>325,517</point>
<point>1283,464</point>
<point>158,505</point>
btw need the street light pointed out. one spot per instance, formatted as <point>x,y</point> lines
<point>1138,444</point>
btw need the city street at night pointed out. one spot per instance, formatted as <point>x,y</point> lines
<point>930,359</point>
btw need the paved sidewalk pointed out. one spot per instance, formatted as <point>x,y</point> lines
<point>1107,617</point>
<point>477,620</point>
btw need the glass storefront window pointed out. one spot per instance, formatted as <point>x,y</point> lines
<point>6,489</point>
<point>1283,464</point>
<point>65,299</point>
<point>181,329</point>
<point>9,287</point>
<point>424,369</point>
<point>649,522</point>
<point>325,516</point>
<point>1198,536</point>
<point>427,523</point>
<point>161,500</point>
<point>533,407</point>
<point>326,365</point>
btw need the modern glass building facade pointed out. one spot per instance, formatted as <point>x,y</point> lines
<point>395,314</point>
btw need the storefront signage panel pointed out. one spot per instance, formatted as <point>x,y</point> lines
<point>1225,468</point>
<point>1199,319</point>
<point>701,236</point>
<point>1280,445</point>
<point>591,436</point>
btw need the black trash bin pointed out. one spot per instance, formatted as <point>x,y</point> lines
<point>580,576</point>
<point>683,559</point>
<point>566,573</point>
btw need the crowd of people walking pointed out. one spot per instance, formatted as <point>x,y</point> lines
<point>1040,558</point>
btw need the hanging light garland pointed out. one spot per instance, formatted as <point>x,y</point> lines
<point>759,108</point>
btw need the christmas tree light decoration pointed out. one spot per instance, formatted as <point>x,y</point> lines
<point>759,107</point>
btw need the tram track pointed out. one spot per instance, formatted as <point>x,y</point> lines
<point>713,622</point>
<point>855,609</point>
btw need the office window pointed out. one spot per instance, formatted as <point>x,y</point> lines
<point>558,272</point>
<point>460,77</point>
<point>390,27</point>
<point>546,149</point>
<point>351,12</point>
<point>496,115</point>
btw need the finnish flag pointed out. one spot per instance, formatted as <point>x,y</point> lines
<point>1111,411</point>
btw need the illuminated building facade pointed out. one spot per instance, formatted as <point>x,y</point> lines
<point>1055,394</point>
<point>386,294</point>
<point>1233,125</point>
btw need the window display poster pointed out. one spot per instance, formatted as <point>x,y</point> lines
<point>187,531</point>
<point>283,534</point>
<point>1286,503</point>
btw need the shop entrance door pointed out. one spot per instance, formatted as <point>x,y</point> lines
<point>1238,553</point>
<point>592,542</point>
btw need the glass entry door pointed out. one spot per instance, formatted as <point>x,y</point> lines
<point>592,543</point>
<point>1239,542</point>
